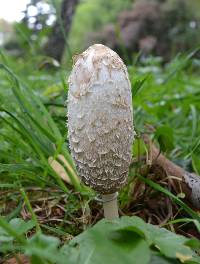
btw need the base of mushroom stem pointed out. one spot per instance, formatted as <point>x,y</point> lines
<point>110,206</point>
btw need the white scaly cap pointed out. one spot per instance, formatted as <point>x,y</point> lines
<point>100,119</point>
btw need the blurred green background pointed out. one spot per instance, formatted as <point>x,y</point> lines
<point>60,28</point>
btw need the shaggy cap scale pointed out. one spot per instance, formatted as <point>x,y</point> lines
<point>100,122</point>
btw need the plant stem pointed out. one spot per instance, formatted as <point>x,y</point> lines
<point>110,206</point>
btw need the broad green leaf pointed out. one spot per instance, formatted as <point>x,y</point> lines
<point>44,249</point>
<point>170,244</point>
<point>21,226</point>
<point>107,242</point>
<point>159,259</point>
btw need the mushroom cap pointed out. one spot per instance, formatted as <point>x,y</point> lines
<point>100,118</point>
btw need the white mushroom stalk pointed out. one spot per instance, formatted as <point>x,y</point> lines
<point>100,122</point>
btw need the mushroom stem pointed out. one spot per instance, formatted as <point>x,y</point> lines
<point>110,205</point>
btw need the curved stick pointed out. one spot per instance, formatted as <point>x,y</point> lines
<point>181,180</point>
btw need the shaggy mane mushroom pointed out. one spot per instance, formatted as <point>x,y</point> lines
<point>100,122</point>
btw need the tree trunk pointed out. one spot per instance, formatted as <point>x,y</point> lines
<point>57,39</point>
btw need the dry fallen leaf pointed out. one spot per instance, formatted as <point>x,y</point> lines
<point>60,170</point>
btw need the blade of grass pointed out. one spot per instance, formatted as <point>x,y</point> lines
<point>38,105</point>
<point>184,220</point>
<point>34,99</point>
<point>30,209</point>
<point>181,65</point>
<point>159,188</point>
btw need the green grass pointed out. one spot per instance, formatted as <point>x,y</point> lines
<point>33,128</point>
